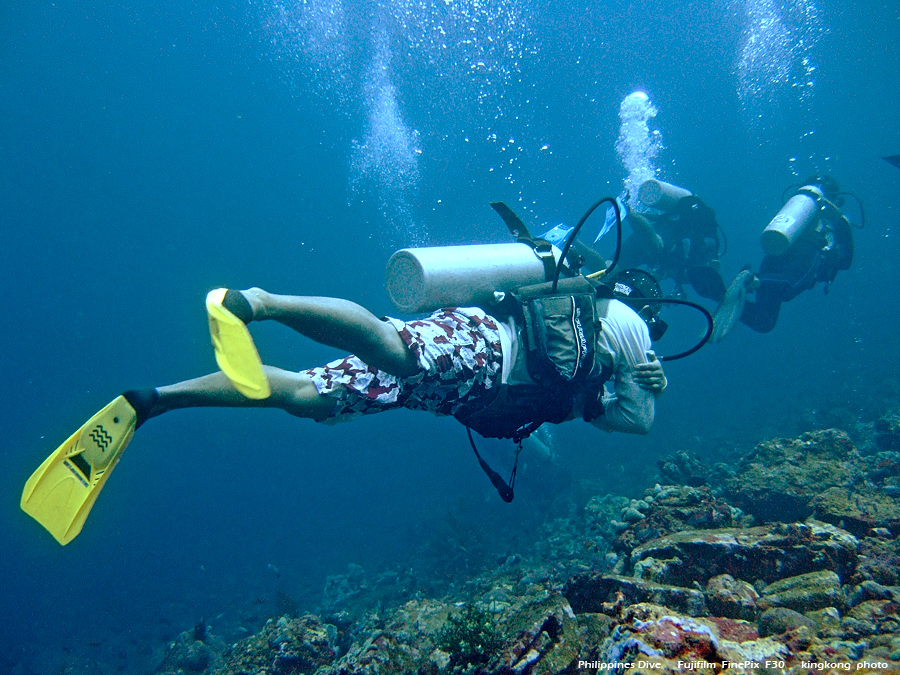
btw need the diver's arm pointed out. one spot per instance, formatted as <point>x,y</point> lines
<point>650,375</point>
<point>644,228</point>
<point>624,345</point>
<point>592,260</point>
<point>630,409</point>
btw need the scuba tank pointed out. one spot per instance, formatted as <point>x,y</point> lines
<point>792,220</point>
<point>660,195</point>
<point>424,279</point>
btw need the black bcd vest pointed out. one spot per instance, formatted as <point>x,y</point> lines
<point>559,336</point>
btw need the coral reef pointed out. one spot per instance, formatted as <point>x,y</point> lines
<point>672,509</point>
<point>788,563</point>
<point>469,637</point>
<point>779,479</point>
<point>283,647</point>
<point>193,651</point>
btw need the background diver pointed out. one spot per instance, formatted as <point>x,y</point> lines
<point>808,242</point>
<point>675,237</point>
<point>453,363</point>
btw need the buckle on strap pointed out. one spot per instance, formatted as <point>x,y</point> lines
<point>543,249</point>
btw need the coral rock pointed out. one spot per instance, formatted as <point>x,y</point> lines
<point>887,433</point>
<point>190,655</point>
<point>857,511</point>
<point>805,592</point>
<point>732,598</point>
<point>655,634</point>
<point>768,553</point>
<point>283,647</point>
<point>675,508</point>
<point>589,592</point>
<point>780,478</point>
<point>872,617</point>
<point>545,638</point>
<point>780,620</point>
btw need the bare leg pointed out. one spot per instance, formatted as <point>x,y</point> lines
<point>338,323</point>
<point>330,321</point>
<point>292,392</point>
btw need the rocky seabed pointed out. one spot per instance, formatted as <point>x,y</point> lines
<point>787,564</point>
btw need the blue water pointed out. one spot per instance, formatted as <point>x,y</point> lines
<point>156,150</point>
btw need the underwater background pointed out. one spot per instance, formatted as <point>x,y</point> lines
<point>153,151</point>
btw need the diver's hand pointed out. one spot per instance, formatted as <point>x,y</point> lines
<point>650,376</point>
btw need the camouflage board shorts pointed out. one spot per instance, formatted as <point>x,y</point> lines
<point>460,358</point>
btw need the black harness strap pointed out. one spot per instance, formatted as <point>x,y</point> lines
<point>504,488</point>
<point>513,222</point>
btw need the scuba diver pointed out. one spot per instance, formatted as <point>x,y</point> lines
<point>494,372</point>
<point>808,242</point>
<point>677,238</point>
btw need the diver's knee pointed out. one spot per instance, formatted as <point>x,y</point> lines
<point>306,401</point>
<point>392,354</point>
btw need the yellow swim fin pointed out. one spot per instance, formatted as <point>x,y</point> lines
<point>60,494</point>
<point>235,352</point>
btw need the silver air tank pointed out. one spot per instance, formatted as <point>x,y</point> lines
<point>425,279</point>
<point>660,195</point>
<point>795,216</point>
